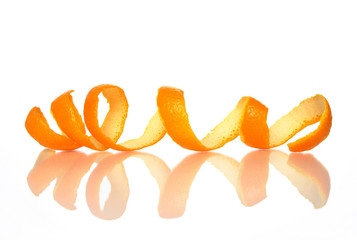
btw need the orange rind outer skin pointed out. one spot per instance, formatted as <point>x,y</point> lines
<point>171,105</point>
<point>38,128</point>
<point>254,130</point>
<point>71,123</point>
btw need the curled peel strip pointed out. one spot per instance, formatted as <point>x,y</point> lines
<point>247,120</point>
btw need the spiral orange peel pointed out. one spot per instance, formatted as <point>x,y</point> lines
<point>247,120</point>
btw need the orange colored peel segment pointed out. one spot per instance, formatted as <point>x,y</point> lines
<point>37,126</point>
<point>172,109</point>
<point>70,122</point>
<point>308,112</point>
<point>113,125</point>
<point>254,129</point>
<point>248,119</point>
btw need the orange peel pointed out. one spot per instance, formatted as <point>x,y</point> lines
<point>113,125</point>
<point>37,126</point>
<point>247,120</point>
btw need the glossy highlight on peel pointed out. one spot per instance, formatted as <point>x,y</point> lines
<point>247,120</point>
<point>247,177</point>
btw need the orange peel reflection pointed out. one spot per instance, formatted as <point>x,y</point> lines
<point>248,177</point>
<point>65,192</point>
<point>247,120</point>
<point>174,197</point>
<point>115,204</point>
<point>306,173</point>
<point>253,177</point>
<point>49,166</point>
<point>112,167</point>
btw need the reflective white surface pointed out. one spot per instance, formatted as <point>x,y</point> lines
<point>217,52</point>
<point>213,206</point>
<point>248,177</point>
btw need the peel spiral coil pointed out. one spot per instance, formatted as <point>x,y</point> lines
<point>247,120</point>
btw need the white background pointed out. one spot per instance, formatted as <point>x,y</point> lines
<point>279,52</point>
